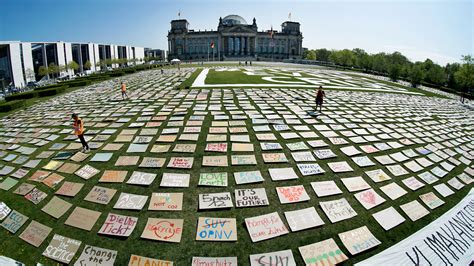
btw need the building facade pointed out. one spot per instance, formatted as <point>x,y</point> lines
<point>20,61</point>
<point>234,39</point>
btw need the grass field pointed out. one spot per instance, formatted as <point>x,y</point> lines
<point>181,253</point>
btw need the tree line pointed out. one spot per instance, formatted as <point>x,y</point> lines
<point>396,66</point>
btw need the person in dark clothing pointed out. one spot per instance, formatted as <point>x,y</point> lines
<point>78,126</point>
<point>319,99</point>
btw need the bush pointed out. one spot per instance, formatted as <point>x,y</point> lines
<point>65,86</point>
<point>51,92</point>
<point>116,74</point>
<point>22,96</point>
<point>6,107</point>
<point>79,83</point>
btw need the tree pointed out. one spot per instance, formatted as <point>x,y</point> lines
<point>43,71</point>
<point>73,65</point>
<point>416,74</point>
<point>53,69</point>
<point>311,55</point>
<point>465,75</point>
<point>323,54</point>
<point>394,72</point>
<point>450,70</point>
<point>87,65</point>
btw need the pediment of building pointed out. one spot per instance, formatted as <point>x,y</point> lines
<point>238,29</point>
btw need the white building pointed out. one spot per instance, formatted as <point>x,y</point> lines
<point>20,61</point>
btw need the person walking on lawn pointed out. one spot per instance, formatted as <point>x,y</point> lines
<point>78,126</point>
<point>123,87</point>
<point>319,99</point>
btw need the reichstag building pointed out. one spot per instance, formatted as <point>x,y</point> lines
<point>234,39</point>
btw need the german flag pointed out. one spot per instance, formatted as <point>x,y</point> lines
<point>212,45</point>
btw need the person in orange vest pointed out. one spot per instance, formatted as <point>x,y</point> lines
<point>78,126</point>
<point>123,87</point>
<point>319,99</point>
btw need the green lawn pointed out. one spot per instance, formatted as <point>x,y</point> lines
<point>181,253</point>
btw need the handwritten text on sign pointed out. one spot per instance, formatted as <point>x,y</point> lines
<point>216,229</point>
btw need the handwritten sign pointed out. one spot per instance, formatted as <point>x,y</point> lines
<point>144,261</point>
<point>83,218</point>
<point>243,160</point>
<point>325,188</point>
<point>129,201</point>
<point>213,179</point>
<point>358,240</point>
<point>100,195</point>
<point>118,225</point>
<point>175,180</point>
<point>325,252</point>
<point>310,169</point>
<point>283,258</point>
<point>431,200</point>
<point>227,261</point>
<point>369,198</point>
<point>166,202</point>
<point>265,226</point>
<point>4,210</point>
<point>36,196</point>
<point>62,248</point>
<point>216,229</point>
<point>414,210</point>
<point>141,178</point>
<point>248,177</point>
<point>251,197</point>
<point>56,207</point>
<point>337,210</point>
<point>168,230</point>
<point>152,162</point>
<point>340,167</point>
<point>93,256</point>
<point>292,194</point>
<point>215,161</point>
<point>14,221</point>
<point>86,172</point>
<point>303,219</point>
<point>274,158</point>
<point>181,162</point>
<point>35,233</point>
<point>69,189</point>
<point>216,147</point>
<point>282,174</point>
<point>356,183</point>
<point>113,176</point>
<point>215,201</point>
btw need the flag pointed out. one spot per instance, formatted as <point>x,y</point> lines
<point>179,13</point>
<point>289,16</point>
<point>271,32</point>
<point>212,45</point>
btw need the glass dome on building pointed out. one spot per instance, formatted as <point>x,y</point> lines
<point>234,20</point>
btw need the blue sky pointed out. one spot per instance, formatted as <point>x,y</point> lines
<point>440,30</point>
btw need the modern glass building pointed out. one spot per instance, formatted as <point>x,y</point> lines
<point>20,61</point>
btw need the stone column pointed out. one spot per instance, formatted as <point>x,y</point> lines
<point>235,46</point>
<point>247,45</point>
<point>241,45</point>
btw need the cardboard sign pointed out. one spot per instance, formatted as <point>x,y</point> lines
<point>216,229</point>
<point>4,210</point>
<point>141,178</point>
<point>325,252</point>
<point>118,225</point>
<point>62,248</point>
<point>36,196</point>
<point>213,179</point>
<point>200,261</point>
<point>112,176</point>
<point>168,230</point>
<point>86,172</point>
<point>215,161</point>
<point>181,162</point>
<point>216,147</point>
<point>356,183</point>
<point>251,197</point>
<point>215,201</point>
<point>388,218</point>
<point>358,240</point>
<point>35,233</point>
<point>369,198</point>
<point>100,195</point>
<point>23,189</point>
<point>310,169</point>
<point>431,200</point>
<point>325,188</point>
<point>265,226</point>
<point>175,180</point>
<point>145,261</point>
<point>129,201</point>
<point>337,210</point>
<point>14,221</point>
<point>243,160</point>
<point>166,202</point>
<point>378,175</point>
<point>303,219</point>
<point>248,177</point>
<point>340,167</point>
<point>283,257</point>
<point>282,174</point>
<point>274,158</point>
<point>83,218</point>
<point>414,210</point>
<point>69,189</point>
<point>56,207</point>
<point>53,180</point>
<point>152,162</point>
<point>393,191</point>
<point>94,256</point>
<point>292,194</point>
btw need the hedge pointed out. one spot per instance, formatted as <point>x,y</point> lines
<point>6,107</point>
<point>22,96</point>
<point>65,86</point>
<point>51,92</point>
<point>116,74</point>
<point>79,83</point>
